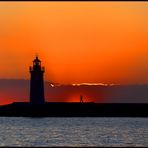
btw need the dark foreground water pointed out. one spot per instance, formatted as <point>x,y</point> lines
<point>73,131</point>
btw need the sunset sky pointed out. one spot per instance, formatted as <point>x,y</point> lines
<point>77,42</point>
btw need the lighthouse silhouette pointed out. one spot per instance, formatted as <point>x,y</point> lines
<point>37,83</point>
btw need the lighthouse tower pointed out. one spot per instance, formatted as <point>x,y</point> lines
<point>37,83</point>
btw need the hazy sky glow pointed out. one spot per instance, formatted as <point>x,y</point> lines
<point>78,42</point>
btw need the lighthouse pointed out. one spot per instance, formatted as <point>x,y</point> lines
<point>37,83</point>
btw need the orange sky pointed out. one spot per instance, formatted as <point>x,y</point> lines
<point>78,42</point>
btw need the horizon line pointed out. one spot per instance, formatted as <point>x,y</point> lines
<point>54,84</point>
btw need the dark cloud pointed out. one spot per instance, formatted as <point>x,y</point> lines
<point>18,90</point>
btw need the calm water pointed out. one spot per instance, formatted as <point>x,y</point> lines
<point>73,131</point>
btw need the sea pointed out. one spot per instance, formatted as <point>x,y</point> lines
<point>77,132</point>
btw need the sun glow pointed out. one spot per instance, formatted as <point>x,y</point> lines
<point>95,84</point>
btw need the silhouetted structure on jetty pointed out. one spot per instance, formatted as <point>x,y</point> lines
<point>37,83</point>
<point>38,108</point>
